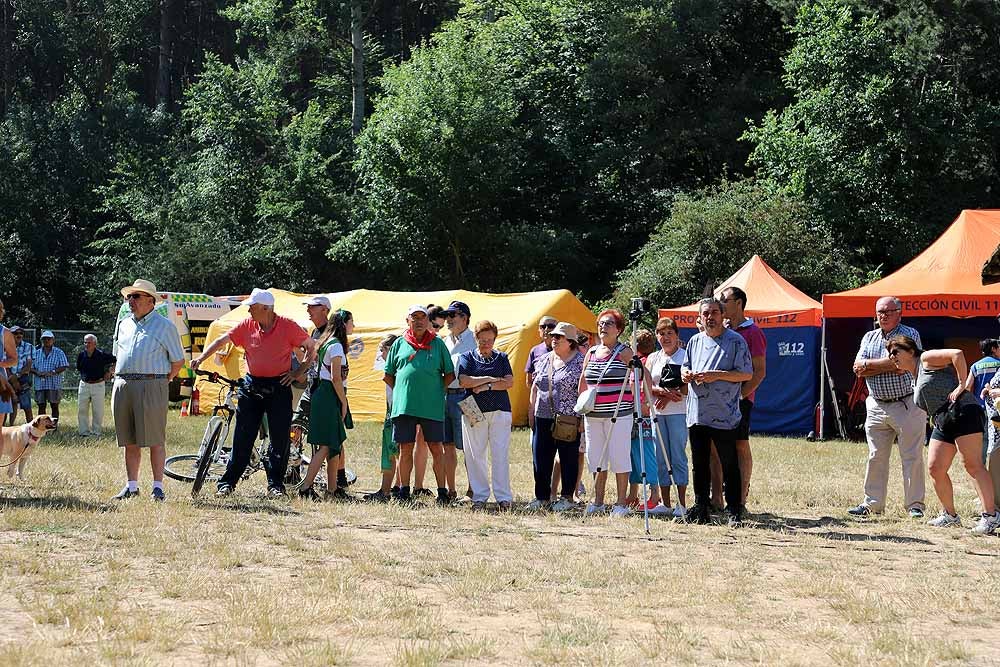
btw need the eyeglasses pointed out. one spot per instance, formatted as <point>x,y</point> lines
<point>547,327</point>
<point>134,296</point>
<point>436,325</point>
<point>607,323</point>
<point>888,312</point>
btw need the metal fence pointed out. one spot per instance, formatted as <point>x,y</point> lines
<point>69,341</point>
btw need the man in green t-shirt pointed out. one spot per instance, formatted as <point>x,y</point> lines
<point>418,368</point>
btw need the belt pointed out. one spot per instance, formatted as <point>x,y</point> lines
<point>93,381</point>
<point>456,391</point>
<point>892,400</point>
<point>141,376</point>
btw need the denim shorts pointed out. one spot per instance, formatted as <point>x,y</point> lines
<point>452,421</point>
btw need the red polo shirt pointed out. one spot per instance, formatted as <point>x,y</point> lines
<point>268,353</point>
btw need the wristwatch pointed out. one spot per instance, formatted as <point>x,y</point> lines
<point>489,386</point>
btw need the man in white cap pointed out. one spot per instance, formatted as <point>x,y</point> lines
<point>49,364</point>
<point>268,341</point>
<point>95,367</point>
<point>318,309</point>
<point>418,367</point>
<point>148,355</point>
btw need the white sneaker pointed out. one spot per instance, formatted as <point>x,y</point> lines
<point>593,508</point>
<point>679,511</point>
<point>536,505</point>
<point>987,524</point>
<point>563,505</point>
<point>660,510</point>
<point>620,511</point>
<point>944,520</point>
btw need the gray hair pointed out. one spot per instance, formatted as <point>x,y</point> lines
<point>708,300</point>
<point>90,337</point>
<point>895,302</point>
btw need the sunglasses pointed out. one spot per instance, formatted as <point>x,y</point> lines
<point>547,327</point>
<point>437,326</point>
<point>896,350</point>
<point>134,296</point>
<point>556,336</point>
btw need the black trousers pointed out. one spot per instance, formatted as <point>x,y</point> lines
<point>701,438</point>
<point>259,397</point>
<point>545,454</point>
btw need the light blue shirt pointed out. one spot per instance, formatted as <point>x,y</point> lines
<point>46,363</point>
<point>716,404</point>
<point>146,346</point>
<point>25,351</point>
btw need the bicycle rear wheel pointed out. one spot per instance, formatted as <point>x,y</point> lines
<point>181,467</point>
<point>209,460</point>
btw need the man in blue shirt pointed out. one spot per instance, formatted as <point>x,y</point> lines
<point>49,364</point>
<point>980,374</point>
<point>718,362</point>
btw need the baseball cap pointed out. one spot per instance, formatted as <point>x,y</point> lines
<point>16,329</point>
<point>565,329</point>
<point>47,334</point>
<point>415,308</point>
<point>459,307</point>
<point>318,301</point>
<point>259,296</point>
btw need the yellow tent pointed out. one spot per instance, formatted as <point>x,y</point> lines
<point>377,314</point>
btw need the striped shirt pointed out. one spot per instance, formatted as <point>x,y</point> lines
<point>147,346</point>
<point>46,363</point>
<point>25,351</point>
<point>886,386</point>
<point>610,386</point>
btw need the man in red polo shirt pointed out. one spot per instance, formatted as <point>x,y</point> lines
<point>268,341</point>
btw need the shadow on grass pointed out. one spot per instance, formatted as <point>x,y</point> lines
<point>809,526</point>
<point>54,502</point>
<point>246,506</point>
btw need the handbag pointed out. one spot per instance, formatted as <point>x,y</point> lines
<point>587,401</point>
<point>565,428</point>
<point>670,377</point>
<point>470,409</point>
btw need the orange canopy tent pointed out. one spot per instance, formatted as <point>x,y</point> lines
<point>772,300</point>
<point>945,281</point>
<point>786,399</point>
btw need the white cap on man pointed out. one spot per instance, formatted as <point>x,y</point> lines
<point>47,334</point>
<point>260,297</point>
<point>318,300</point>
<point>416,308</point>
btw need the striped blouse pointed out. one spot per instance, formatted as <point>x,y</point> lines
<point>610,386</point>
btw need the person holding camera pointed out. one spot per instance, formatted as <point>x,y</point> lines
<point>669,392</point>
<point>717,365</point>
<point>553,396</point>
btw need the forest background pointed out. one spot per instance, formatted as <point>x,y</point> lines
<point>613,147</point>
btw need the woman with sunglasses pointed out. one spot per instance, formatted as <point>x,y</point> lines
<point>939,390</point>
<point>554,392</point>
<point>608,427</point>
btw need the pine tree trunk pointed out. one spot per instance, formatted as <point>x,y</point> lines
<point>166,42</point>
<point>357,68</point>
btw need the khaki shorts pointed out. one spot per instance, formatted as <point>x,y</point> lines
<point>139,408</point>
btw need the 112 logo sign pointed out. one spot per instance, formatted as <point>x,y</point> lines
<point>786,349</point>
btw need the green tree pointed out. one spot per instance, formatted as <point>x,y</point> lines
<point>711,233</point>
<point>887,148</point>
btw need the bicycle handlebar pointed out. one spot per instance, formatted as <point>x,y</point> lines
<point>215,377</point>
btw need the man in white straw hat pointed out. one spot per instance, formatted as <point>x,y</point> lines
<point>149,355</point>
<point>49,364</point>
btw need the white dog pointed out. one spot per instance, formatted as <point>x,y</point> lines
<point>18,442</point>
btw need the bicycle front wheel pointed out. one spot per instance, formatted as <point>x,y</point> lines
<point>208,463</point>
<point>182,467</point>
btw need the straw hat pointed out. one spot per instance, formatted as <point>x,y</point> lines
<point>143,286</point>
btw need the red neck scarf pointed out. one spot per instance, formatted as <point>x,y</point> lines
<point>423,344</point>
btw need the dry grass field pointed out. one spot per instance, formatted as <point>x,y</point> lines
<point>246,581</point>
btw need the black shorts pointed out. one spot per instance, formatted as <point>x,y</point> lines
<point>966,420</point>
<point>743,430</point>
<point>404,429</point>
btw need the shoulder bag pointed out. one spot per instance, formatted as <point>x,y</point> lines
<point>565,428</point>
<point>587,401</point>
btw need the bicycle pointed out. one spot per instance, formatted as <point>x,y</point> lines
<point>210,462</point>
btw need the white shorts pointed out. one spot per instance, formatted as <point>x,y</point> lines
<point>609,445</point>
